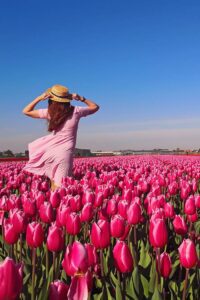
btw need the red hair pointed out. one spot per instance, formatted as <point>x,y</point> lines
<point>59,112</point>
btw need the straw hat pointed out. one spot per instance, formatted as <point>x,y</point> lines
<point>59,93</point>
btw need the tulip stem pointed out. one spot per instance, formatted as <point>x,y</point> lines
<point>179,278</point>
<point>190,228</point>
<point>135,235</point>
<point>20,247</point>
<point>119,281</point>
<point>185,284</point>
<point>47,262</point>
<point>158,259</point>
<point>33,273</point>
<point>3,250</point>
<point>54,264</point>
<point>85,232</point>
<point>101,260</point>
<point>71,239</point>
<point>16,251</point>
<point>11,251</point>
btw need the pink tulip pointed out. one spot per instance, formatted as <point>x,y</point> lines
<point>76,259</point>
<point>62,192</point>
<point>179,224</point>
<point>158,214</point>
<point>23,187</point>
<point>102,213</point>
<point>10,235</point>
<point>122,257</point>
<point>98,199</point>
<point>44,186</point>
<point>134,213</point>
<point>34,235</point>
<point>19,221</point>
<point>143,186</point>
<point>187,254</point>
<point>4,203</point>
<point>193,218</point>
<point>158,233</point>
<point>165,265</point>
<point>126,232</point>
<point>73,224</point>
<point>100,234</point>
<point>88,196</point>
<point>127,195</point>
<point>122,208</point>
<point>194,185</point>
<point>156,189</point>
<point>46,212</point>
<point>190,207</point>
<point>92,255</point>
<point>111,208</point>
<point>62,214</point>
<point>11,279</point>
<point>154,204</point>
<point>58,290</point>
<point>55,239</point>
<point>75,203</point>
<point>87,212</point>
<point>14,202</point>
<point>117,226</point>
<point>172,188</point>
<point>197,201</point>
<point>169,210</point>
<point>185,190</point>
<point>1,217</point>
<point>55,199</point>
<point>29,207</point>
<point>40,199</point>
<point>78,289</point>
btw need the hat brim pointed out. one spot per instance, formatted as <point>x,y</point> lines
<point>57,99</point>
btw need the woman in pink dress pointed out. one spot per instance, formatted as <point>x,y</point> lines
<point>52,155</point>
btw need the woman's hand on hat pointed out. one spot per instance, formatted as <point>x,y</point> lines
<point>44,96</point>
<point>77,97</point>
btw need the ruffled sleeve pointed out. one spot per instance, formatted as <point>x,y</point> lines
<point>43,113</point>
<point>83,111</point>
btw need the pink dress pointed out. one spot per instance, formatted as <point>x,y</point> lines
<point>52,155</point>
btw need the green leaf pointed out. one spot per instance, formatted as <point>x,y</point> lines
<point>197,227</point>
<point>152,281</point>
<point>118,293</point>
<point>98,283</point>
<point>114,279</point>
<point>145,285</point>
<point>136,280</point>
<point>173,288</point>
<point>97,296</point>
<point>145,258</point>
<point>174,267</point>
<point>26,279</point>
<point>130,290</point>
<point>109,297</point>
<point>156,295</point>
<point>43,295</point>
<point>117,286</point>
<point>105,261</point>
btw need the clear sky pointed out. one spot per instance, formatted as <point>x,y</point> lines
<point>138,59</point>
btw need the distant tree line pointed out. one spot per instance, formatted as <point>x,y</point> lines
<point>9,153</point>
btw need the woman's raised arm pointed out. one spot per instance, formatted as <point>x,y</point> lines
<point>91,105</point>
<point>29,109</point>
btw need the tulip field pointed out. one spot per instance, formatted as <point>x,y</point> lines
<point>122,228</point>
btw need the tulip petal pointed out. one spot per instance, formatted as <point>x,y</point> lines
<point>78,289</point>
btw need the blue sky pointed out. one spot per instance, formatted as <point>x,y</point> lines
<point>139,60</point>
